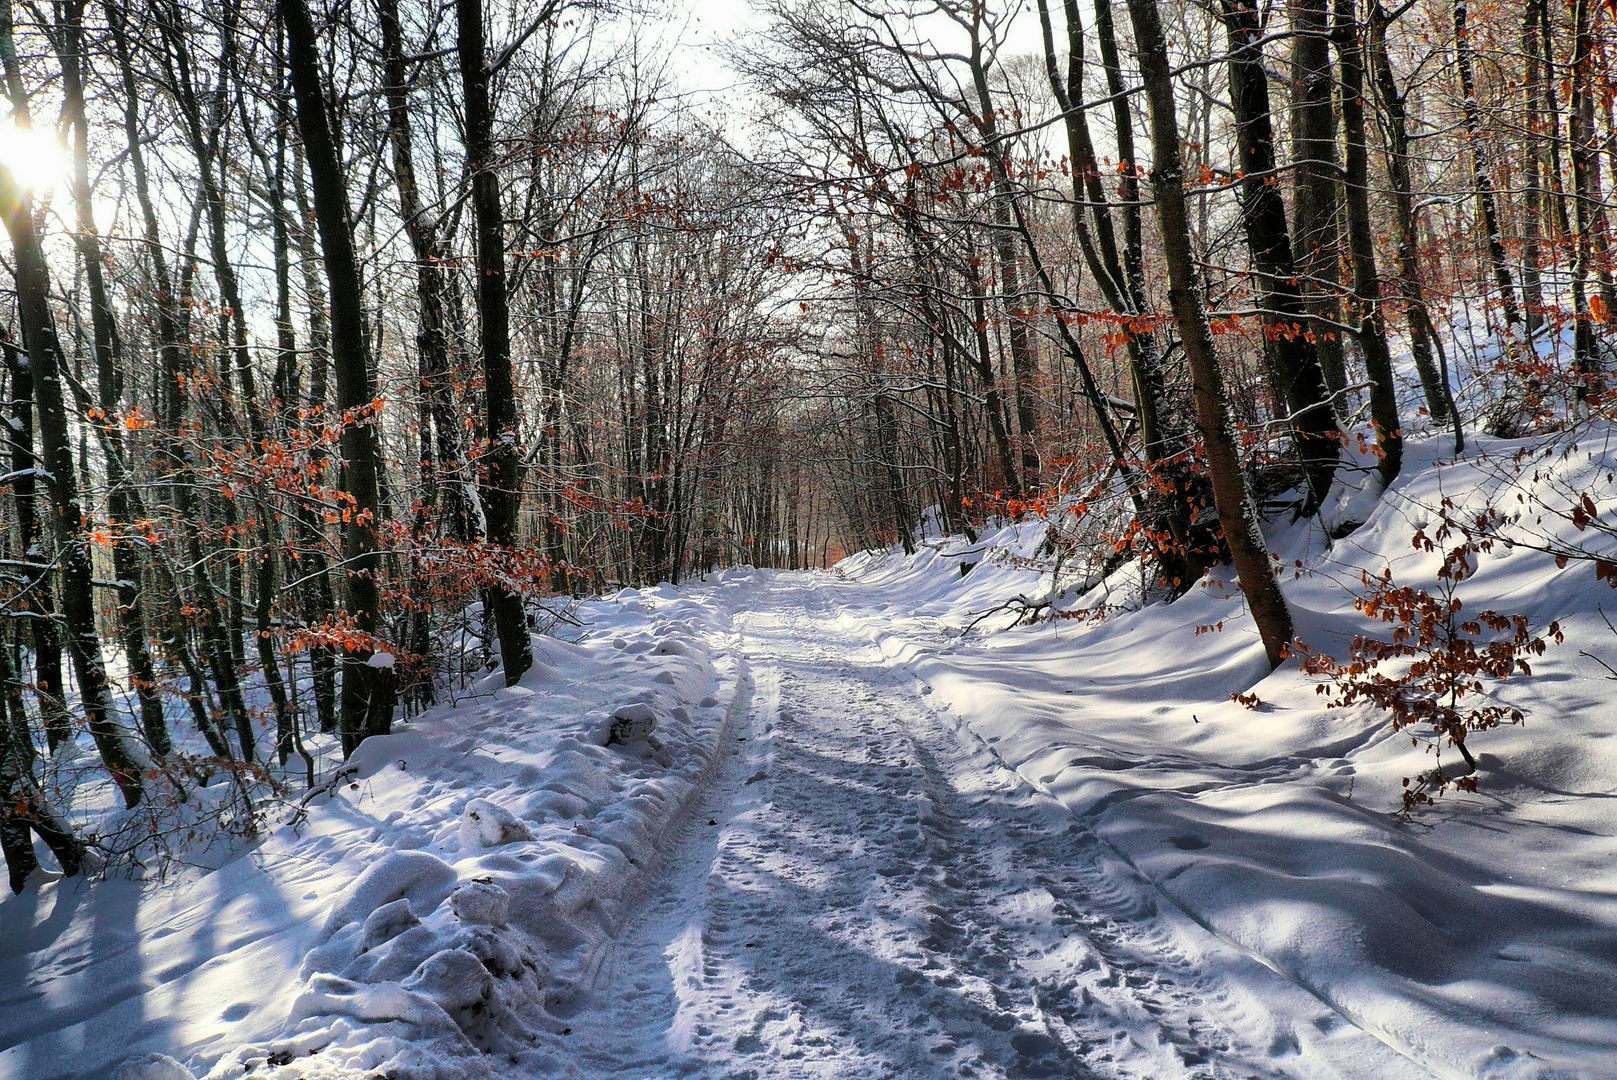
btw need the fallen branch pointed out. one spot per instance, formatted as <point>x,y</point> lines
<point>1027,611</point>
<point>325,787</point>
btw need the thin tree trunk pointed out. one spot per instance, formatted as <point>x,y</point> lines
<point>319,600</point>
<point>1318,197</point>
<point>1599,237</point>
<point>1088,194</point>
<point>1372,330</point>
<point>1300,386</point>
<point>1483,184</point>
<point>38,596</point>
<point>120,753</point>
<point>1160,430</point>
<point>993,400</point>
<point>433,257</point>
<point>109,381</point>
<point>1120,287</point>
<point>432,341</point>
<point>1533,180</point>
<point>23,807</point>
<point>206,134</point>
<point>1580,115</point>
<point>173,332</point>
<point>1023,363</point>
<point>1422,334</point>
<point>284,391</point>
<point>1556,196</point>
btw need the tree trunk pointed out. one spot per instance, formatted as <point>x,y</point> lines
<point>109,381</point>
<point>1580,133</point>
<point>367,691</point>
<point>1024,373</point>
<point>173,332</point>
<point>1533,180</point>
<point>1480,168</point>
<point>1100,246</point>
<point>23,807</point>
<point>501,488</point>
<point>432,341</point>
<point>433,257</point>
<point>1237,516</point>
<point>204,117</point>
<point>1299,385</point>
<point>1120,287</point>
<point>1318,198</point>
<point>38,598</point>
<point>119,752</point>
<point>319,600</point>
<point>284,391</point>
<point>1372,331</point>
<point>1422,334</point>
<point>1556,195</point>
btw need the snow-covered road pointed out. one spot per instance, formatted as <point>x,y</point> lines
<point>791,824</point>
<point>868,891</point>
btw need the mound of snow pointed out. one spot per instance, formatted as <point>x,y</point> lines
<point>481,902</point>
<point>409,875</point>
<point>386,923</point>
<point>485,825</point>
<point>152,1067</point>
<point>405,926</point>
<point>633,722</point>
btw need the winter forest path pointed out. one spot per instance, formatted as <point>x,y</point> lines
<point>866,891</point>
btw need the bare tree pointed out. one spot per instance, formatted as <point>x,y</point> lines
<point>1299,385</point>
<point>500,462</point>
<point>1238,518</point>
<point>368,687</point>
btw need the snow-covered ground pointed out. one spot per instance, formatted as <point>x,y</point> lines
<point>859,843</point>
<point>1479,940</point>
<point>874,894</point>
<point>451,896</point>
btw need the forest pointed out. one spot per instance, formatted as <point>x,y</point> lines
<point>370,362</point>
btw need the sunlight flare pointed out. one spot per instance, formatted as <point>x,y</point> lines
<point>35,156</point>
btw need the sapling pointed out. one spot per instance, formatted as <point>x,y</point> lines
<point>1452,655</point>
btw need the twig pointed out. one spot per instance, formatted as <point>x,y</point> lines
<point>325,787</point>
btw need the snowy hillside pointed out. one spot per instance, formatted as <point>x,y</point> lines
<point>1477,939</point>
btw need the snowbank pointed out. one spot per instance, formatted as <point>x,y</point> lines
<point>1479,940</point>
<point>436,916</point>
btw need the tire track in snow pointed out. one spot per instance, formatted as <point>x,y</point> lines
<point>1017,902</point>
<point>1400,1053</point>
<point>867,892</point>
<point>628,1023</point>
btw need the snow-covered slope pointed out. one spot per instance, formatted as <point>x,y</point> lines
<point>1480,939</point>
<point>450,896</point>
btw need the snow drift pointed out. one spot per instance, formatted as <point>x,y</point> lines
<point>1479,939</point>
<point>437,914</point>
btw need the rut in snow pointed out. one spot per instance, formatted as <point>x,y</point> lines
<point>869,892</point>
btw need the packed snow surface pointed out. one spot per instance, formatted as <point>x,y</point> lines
<point>806,825</point>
